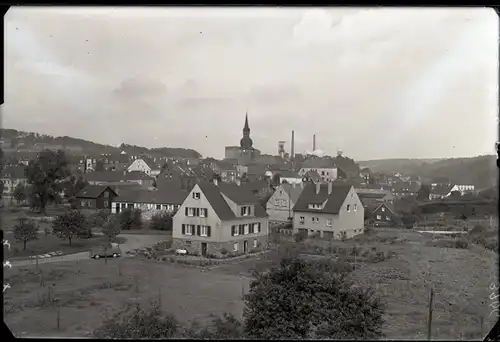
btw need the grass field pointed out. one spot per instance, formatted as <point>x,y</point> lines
<point>460,278</point>
<point>82,298</point>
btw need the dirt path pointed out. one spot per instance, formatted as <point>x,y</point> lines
<point>132,242</point>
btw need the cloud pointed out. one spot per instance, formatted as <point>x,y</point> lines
<point>140,87</point>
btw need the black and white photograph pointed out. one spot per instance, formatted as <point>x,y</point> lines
<point>250,172</point>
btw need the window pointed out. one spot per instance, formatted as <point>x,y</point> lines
<point>158,206</point>
<point>379,217</point>
<point>254,243</point>
<point>130,206</point>
<point>204,231</point>
<point>322,173</point>
<point>329,222</point>
<point>383,209</point>
<point>105,204</point>
<point>245,229</point>
<point>245,211</point>
<point>317,219</point>
<point>82,203</point>
<point>189,212</point>
<point>302,219</point>
<point>348,208</point>
<point>196,195</point>
<point>234,231</point>
<point>235,247</point>
<point>189,229</point>
<point>355,207</point>
<point>387,218</point>
<point>165,206</point>
<point>202,212</point>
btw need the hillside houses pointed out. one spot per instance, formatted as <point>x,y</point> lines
<point>215,218</point>
<point>146,165</point>
<point>11,177</point>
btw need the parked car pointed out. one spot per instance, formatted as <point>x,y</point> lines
<point>109,250</point>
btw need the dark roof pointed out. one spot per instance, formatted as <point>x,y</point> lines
<point>238,194</point>
<point>388,206</point>
<point>93,191</point>
<point>104,176</point>
<point>292,191</point>
<point>15,172</point>
<point>441,190</point>
<point>256,169</point>
<point>333,201</point>
<point>255,186</point>
<point>313,175</point>
<point>164,196</point>
<point>137,175</point>
<point>372,195</point>
<point>213,194</point>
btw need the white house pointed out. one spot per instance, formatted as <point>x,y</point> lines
<point>144,165</point>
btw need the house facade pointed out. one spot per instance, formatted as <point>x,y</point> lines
<point>96,197</point>
<point>384,215</point>
<point>220,217</point>
<point>280,206</point>
<point>328,210</point>
<point>326,174</point>
<point>144,165</point>
<point>139,178</point>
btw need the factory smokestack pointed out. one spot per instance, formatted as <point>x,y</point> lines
<point>314,142</point>
<point>293,145</point>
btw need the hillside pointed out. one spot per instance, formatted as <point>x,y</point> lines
<point>480,171</point>
<point>31,141</point>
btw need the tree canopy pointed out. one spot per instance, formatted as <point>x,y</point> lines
<point>25,230</point>
<point>69,225</point>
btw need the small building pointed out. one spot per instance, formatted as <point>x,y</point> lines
<point>145,165</point>
<point>331,211</point>
<point>218,217</point>
<point>384,215</point>
<point>96,197</point>
<point>147,200</point>
<point>139,178</point>
<point>280,206</point>
<point>11,177</point>
<point>373,198</point>
<point>440,191</point>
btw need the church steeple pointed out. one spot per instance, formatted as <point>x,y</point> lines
<point>246,128</point>
<point>246,143</point>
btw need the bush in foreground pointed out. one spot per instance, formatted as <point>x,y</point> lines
<point>130,219</point>
<point>298,299</point>
<point>161,221</point>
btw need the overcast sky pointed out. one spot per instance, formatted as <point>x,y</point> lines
<point>376,83</point>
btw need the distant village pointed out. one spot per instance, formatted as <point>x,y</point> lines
<point>249,193</point>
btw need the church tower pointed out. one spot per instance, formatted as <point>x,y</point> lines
<point>246,142</point>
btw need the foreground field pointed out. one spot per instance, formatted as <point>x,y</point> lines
<point>460,278</point>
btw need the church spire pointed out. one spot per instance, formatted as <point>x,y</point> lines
<point>246,128</point>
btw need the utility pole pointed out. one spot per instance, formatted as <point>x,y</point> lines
<point>429,322</point>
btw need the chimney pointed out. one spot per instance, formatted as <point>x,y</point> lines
<point>318,187</point>
<point>293,185</point>
<point>314,142</point>
<point>216,182</point>
<point>330,184</point>
<point>293,146</point>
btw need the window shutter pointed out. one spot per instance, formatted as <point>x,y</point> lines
<point>241,231</point>
<point>186,211</point>
<point>183,229</point>
<point>208,231</point>
<point>241,210</point>
<point>233,230</point>
<point>258,227</point>
<point>206,212</point>
<point>198,230</point>
<point>197,212</point>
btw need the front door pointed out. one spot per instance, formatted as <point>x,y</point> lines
<point>117,206</point>
<point>204,248</point>
<point>245,246</point>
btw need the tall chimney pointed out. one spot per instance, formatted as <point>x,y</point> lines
<point>318,187</point>
<point>330,185</point>
<point>293,146</point>
<point>314,142</point>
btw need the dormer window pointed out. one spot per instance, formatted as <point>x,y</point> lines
<point>245,211</point>
<point>314,206</point>
<point>196,195</point>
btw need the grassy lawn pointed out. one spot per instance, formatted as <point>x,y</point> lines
<point>86,290</point>
<point>50,243</point>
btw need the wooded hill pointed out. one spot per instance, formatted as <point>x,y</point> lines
<point>479,171</point>
<point>32,141</point>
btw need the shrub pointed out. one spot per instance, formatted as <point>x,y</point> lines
<point>26,230</point>
<point>130,219</point>
<point>477,230</point>
<point>300,236</point>
<point>461,243</point>
<point>224,251</point>
<point>98,218</point>
<point>161,221</point>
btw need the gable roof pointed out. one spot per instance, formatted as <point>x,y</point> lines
<point>15,172</point>
<point>441,190</point>
<point>292,191</point>
<point>137,175</point>
<point>104,176</point>
<point>238,194</point>
<point>141,195</point>
<point>93,191</point>
<point>389,206</point>
<point>313,175</point>
<point>213,194</point>
<point>334,201</point>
